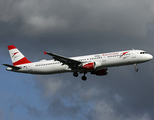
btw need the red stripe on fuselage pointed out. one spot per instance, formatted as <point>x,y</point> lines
<point>10,47</point>
<point>22,61</point>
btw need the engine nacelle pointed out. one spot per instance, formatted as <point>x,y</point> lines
<point>100,72</point>
<point>89,66</point>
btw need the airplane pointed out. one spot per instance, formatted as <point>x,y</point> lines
<point>96,64</point>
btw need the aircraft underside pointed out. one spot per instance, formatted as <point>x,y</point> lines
<point>96,64</point>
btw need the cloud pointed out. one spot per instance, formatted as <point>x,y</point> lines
<point>50,88</point>
<point>123,17</point>
<point>73,24</point>
<point>82,27</point>
<point>105,111</point>
<point>63,25</point>
<point>2,114</point>
<point>102,99</point>
<point>45,23</point>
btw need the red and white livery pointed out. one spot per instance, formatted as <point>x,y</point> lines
<point>96,64</point>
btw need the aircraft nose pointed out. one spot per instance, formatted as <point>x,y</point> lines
<point>150,57</point>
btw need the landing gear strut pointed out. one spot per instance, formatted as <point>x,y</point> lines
<point>84,78</point>
<point>135,65</point>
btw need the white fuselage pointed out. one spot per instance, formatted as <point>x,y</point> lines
<point>103,60</point>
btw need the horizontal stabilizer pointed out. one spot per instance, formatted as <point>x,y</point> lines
<point>14,67</point>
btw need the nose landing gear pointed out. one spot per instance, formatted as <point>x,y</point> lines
<point>135,65</point>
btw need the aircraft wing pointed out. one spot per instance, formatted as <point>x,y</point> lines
<point>66,61</point>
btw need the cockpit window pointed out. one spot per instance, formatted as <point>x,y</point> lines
<point>143,52</point>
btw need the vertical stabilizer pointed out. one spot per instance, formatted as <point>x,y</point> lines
<point>16,56</point>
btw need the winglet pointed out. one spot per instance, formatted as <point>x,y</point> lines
<point>45,52</point>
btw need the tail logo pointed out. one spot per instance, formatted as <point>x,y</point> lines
<point>15,54</point>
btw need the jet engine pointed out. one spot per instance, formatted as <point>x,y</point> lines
<point>100,72</point>
<point>89,66</point>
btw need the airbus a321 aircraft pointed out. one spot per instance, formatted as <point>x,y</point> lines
<point>96,64</point>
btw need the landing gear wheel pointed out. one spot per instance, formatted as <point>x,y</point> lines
<point>75,74</point>
<point>136,69</point>
<point>84,78</point>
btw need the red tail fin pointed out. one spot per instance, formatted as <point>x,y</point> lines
<point>16,56</point>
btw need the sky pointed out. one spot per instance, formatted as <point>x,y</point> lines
<point>75,28</point>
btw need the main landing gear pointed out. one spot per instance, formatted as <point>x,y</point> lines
<point>75,74</point>
<point>84,78</point>
<point>135,65</point>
